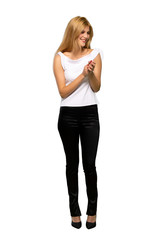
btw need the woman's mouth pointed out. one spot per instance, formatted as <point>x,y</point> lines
<point>83,40</point>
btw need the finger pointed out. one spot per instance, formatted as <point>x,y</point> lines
<point>89,62</point>
<point>93,63</point>
<point>90,69</point>
<point>92,66</point>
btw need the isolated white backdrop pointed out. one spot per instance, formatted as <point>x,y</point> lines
<point>34,201</point>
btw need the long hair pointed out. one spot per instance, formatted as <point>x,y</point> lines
<point>72,32</point>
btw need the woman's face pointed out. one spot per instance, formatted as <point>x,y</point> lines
<point>84,37</point>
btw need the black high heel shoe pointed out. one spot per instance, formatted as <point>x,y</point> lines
<point>90,225</point>
<point>76,224</point>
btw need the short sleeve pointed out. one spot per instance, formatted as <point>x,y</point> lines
<point>97,51</point>
<point>101,53</point>
<point>62,59</point>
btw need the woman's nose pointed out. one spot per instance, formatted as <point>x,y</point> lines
<point>85,35</point>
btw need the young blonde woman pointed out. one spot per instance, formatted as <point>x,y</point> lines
<point>77,70</point>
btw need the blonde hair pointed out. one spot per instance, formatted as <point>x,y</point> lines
<point>72,32</point>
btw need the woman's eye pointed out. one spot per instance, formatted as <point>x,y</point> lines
<point>84,32</point>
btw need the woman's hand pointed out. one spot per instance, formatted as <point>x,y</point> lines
<point>91,66</point>
<point>88,68</point>
<point>95,77</point>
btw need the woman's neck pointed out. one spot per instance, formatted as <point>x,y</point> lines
<point>79,52</point>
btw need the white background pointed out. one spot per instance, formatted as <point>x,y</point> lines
<point>34,200</point>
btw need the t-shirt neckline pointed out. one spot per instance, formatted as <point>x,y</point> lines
<point>78,58</point>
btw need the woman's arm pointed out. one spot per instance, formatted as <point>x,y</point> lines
<point>64,90</point>
<point>95,76</point>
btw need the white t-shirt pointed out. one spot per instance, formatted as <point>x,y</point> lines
<point>83,95</point>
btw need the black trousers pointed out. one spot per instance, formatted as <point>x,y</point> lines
<point>82,123</point>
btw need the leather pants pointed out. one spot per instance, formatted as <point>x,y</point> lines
<point>82,123</point>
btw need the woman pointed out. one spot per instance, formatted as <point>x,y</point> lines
<point>78,78</point>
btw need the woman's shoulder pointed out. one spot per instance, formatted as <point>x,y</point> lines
<point>87,51</point>
<point>67,54</point>
<point>58,59</point>
<point>97,51</point>
<point>90,50</point>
